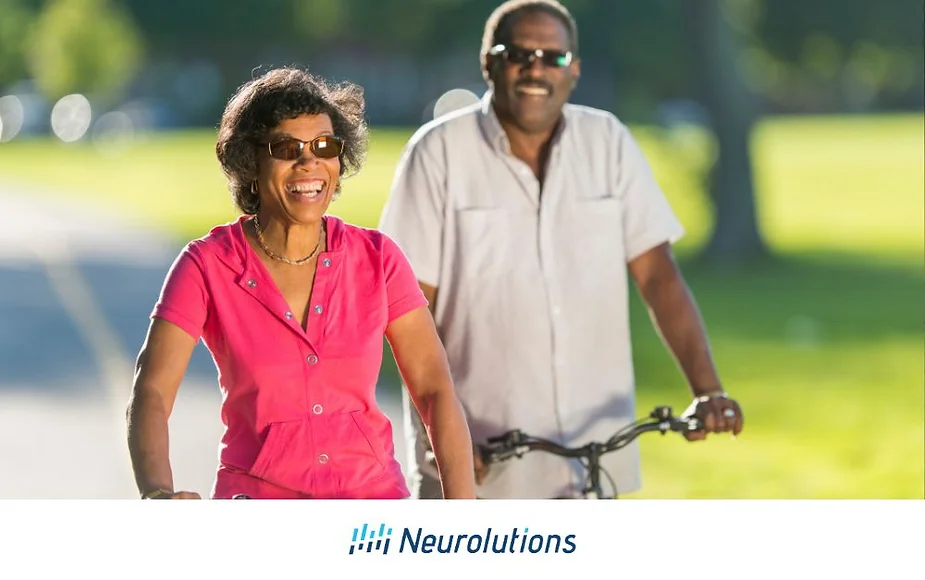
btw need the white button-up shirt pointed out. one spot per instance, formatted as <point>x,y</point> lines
<point>532,302</point>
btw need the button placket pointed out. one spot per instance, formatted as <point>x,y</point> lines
<point>269,299</point>
<point>328,271</point>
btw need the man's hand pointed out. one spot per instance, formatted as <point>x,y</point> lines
<point>717,413</point>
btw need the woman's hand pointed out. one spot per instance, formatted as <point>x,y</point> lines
<point>185,495</point>
<point>480,467</point>
<point>164,494</point>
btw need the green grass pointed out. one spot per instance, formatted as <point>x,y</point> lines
<point>826,361</point>
<point>174,181</point>
<point>823,347</point>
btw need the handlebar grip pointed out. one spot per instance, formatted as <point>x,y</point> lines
<point>689,424</point>
<point>510,438</point>
<point>497,455</point>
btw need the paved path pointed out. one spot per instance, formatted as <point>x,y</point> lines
<point>76,287</point>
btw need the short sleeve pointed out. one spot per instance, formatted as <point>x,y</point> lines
<point>413,213</point>
<point>183,300</point>
<point>648,219</point>
<point>401,285</point>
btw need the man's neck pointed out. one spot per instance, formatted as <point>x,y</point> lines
<point>530,147</point>
<point>527,144</point>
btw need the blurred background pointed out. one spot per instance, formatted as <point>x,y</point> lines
<point>789,136</point>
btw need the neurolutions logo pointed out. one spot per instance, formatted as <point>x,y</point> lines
<point>366,539</point>
<point>372,538</point>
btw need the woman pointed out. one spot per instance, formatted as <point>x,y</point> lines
<point>293,305</point>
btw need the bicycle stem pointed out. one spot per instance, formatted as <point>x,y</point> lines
<point>594,470</point>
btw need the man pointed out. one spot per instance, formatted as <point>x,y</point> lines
<point>521,216</point>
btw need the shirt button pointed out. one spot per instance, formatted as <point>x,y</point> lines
<point>312,359</point>
<point>323,458</point>
<point>556,310</point>
<point>252,283</point>
<point>317,409</point>
<point>326,262</point>
<point>319,309</point>
<point>289,315</point>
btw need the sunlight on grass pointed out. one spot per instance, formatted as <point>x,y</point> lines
<point>855,186</point>
<point>809,433</point>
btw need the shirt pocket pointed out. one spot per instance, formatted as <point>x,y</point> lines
<point>360,460</point>
<point>485,239</point>
<point>323,456</point>
<point>285,456</point>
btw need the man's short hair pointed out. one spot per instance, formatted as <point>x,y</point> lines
<point>499,24</point>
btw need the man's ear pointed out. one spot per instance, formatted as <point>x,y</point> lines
<point>575,68</point>
<point>490,63</point>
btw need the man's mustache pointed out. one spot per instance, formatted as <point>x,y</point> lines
<point>534,84</point>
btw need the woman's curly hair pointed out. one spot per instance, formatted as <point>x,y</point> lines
<point>261,104</point>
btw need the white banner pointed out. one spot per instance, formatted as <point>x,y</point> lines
<point>455,539</point>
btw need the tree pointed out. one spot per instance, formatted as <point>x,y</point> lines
<point>843,54</point>
<point>85,46</point>
<point>15,27</point>
<point>716,48</point>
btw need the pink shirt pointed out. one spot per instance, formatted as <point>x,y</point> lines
<point>299,407</point>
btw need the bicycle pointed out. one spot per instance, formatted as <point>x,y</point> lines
<point>516,443</point>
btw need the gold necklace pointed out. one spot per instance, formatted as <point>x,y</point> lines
<point>275,256</point>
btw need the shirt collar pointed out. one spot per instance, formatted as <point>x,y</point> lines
<point>231,247</point>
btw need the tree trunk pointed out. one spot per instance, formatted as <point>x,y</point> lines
<point>736,238</point>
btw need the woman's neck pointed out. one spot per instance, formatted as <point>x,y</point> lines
<point>292,241</point>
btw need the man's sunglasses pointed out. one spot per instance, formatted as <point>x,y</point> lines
<point>290,148</point>
<point>525,56</point>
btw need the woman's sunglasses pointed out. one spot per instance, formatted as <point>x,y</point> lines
<point>290,148</point>
<point>525,56</point>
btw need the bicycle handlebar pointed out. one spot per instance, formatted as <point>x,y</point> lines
<point>516,443</point>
